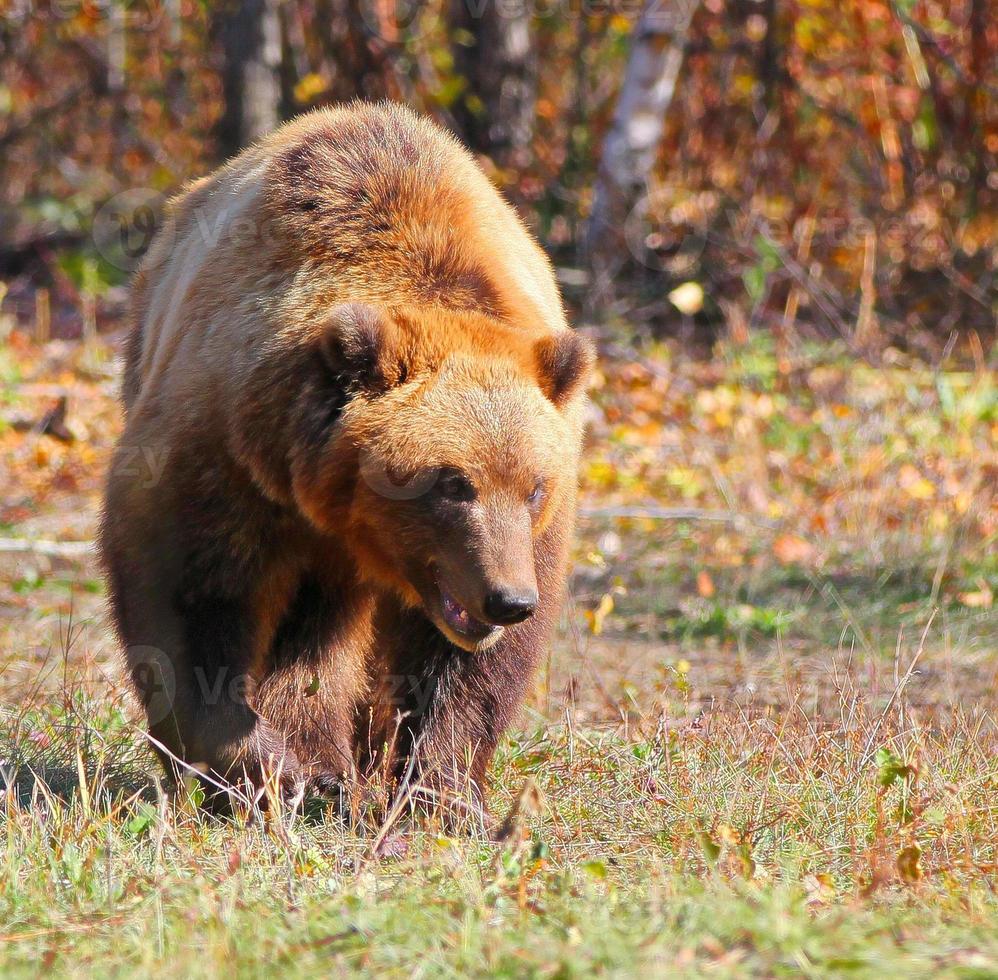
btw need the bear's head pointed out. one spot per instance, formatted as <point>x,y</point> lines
<point>455,448</point>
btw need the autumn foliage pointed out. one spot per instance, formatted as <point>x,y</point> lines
<point>825,167</point>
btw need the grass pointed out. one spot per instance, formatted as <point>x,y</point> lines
<point>766,742</point>
<point>748,841</point>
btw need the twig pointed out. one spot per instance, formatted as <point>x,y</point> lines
<point>228,788</point>
<point>928,37</point>
<point>40,546</point>
<point>405,795</point>
<point>868,751</point>
<point>16,937</point>
<point>676,514</point>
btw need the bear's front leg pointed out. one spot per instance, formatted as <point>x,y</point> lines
<point>221,732</point>
<point>192,582</point>
<point>315,679</point>
<point>190,655</point>
<point>444,711</point>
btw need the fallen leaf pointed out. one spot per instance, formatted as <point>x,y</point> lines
<point>909,864</point>
<point>983,598</point>
<point>597,615</point>
<point>914,484</point>
<point>820,889</point>
<point>687,298</point>
<point>790,549</point>
<point>311,86</point>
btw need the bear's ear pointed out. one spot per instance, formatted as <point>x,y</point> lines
<point>564,363</point>
<point>362,344</point>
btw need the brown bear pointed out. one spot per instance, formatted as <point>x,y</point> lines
<point>350,364</point>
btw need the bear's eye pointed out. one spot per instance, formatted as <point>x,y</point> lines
<point>455,486</point>
<point>536,494</point>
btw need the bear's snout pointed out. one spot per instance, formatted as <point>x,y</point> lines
<point>507,606</point>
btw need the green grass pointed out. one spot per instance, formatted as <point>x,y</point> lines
<point>800,605</point>
<point>746,843</point>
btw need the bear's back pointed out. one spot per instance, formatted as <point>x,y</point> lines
<point>362,202</point>
<point>404,213</point>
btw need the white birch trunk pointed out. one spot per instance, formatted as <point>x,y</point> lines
<point>632,142</point>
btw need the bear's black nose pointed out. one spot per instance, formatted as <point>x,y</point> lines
<point>506,606</point>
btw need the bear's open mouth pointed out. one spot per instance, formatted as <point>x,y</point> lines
<point>461,621</point>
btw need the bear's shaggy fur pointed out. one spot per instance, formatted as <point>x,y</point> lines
<point>350,364</point>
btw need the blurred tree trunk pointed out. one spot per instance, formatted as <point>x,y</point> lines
<point>976,99</point>
<point>632,141</point>
<point>769,66</point>
<point>249,32</point>
<point>494,53</point>
<point>354,43</point>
